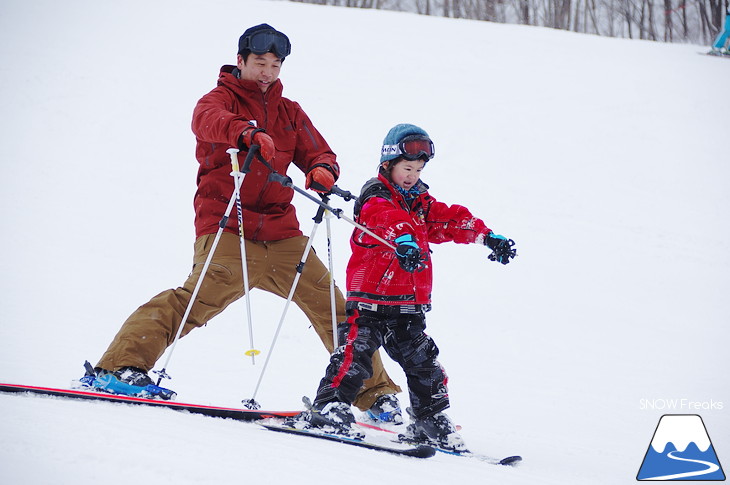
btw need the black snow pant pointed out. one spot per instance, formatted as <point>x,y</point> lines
<point>403,338</point>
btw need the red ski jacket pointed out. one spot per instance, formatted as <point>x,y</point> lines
<point>373,273</point>
<point>219,119</point>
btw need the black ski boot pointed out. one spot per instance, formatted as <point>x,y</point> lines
<point>334,417</point>
<point>437,430</point>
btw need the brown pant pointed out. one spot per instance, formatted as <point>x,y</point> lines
<point>146,334</point>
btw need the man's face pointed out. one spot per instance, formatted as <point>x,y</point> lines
<point>263,69</point>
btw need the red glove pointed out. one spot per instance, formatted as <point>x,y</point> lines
<point>257,136</point>
<point>320,179</point>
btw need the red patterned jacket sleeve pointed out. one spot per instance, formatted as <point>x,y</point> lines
<point>385,219</point>
<point>453,223</point>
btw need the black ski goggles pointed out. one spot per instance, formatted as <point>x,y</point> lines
<point>265,41</point>
<point>411,147</point>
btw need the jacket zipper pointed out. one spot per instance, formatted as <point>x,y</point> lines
<point>260,224</point>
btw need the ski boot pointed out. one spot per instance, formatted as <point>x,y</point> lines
<point>436,430</point>
<point>334,417</point>
<point>128,381</point>
<point>386,410</point>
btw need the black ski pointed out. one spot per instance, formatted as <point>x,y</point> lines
<point>214,411</point>
<point>507,461</point>
<point>417,451</point>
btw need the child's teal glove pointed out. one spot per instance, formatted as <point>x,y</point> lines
<point>501,248</point>
<point>408,253</point>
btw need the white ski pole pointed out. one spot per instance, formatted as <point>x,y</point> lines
<point>333,304</point>
<point>251,403</point>
<point>238,176</point>
<point>221,226</point>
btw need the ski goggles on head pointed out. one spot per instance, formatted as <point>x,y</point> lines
<point>265,41</point>
<point>411,147</point>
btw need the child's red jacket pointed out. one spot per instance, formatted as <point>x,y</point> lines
<point>373,273</point>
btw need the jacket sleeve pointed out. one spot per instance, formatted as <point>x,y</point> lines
<point>385,219</point>
<point>312,149</point>
<point>454,223</point>
<point>213,122</point>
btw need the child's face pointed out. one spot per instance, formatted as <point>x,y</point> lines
<point>406,173</point>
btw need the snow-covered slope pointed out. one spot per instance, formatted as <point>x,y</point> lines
<point>605,159</point>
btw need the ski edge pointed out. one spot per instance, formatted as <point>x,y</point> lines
<point>415,451</point>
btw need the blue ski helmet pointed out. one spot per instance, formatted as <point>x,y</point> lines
<point>391,144</point>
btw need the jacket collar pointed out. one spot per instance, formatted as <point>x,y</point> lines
<point>421,187</point>
<point>228,78</point>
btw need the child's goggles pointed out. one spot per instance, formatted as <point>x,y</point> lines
<point>411,147</point>
<point>265,41</point>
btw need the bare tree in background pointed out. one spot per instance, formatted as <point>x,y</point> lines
<point>697,21</point>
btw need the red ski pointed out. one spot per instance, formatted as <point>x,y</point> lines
<point>214,411</point>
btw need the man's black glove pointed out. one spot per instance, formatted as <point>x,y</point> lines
<point>408,253</point>
<point>501,247</point>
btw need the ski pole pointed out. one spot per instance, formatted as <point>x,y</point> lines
<point>287,182</point>
<point>238,176</point>
<point>251,403</point>
<point>333,303</point>
<point>221,226</point>
<point>347,196</point>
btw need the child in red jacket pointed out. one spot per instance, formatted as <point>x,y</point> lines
<point>389,291</point>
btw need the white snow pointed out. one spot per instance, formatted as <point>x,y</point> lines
<point>680,430</point>
<point>605,160</point>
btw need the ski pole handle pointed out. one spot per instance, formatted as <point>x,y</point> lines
<point>345,194</point>
<point>252,151</point>
<point>233,152</point>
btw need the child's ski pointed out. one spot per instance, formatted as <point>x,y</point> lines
<point>509,460</point>
<point>417,451</point>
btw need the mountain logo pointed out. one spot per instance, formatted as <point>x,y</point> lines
<point>681,450</point>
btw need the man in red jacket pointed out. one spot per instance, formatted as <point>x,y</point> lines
<point>246,108</point>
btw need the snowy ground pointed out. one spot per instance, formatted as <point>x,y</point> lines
<point>605,159</point>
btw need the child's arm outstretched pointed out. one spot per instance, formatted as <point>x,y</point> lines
<point>455,223</point>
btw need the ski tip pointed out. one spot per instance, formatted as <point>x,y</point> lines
<point>421,451</point>
<point>510,460</point>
